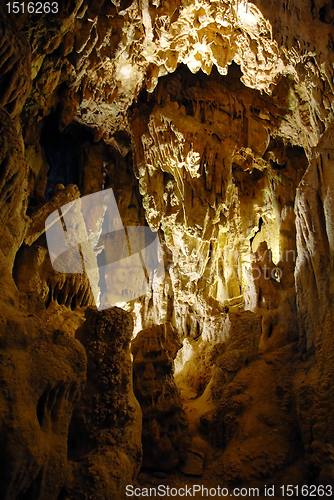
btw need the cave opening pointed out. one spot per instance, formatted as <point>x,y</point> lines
<point>63,151</point>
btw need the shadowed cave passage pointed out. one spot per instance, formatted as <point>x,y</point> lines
<point>62,151</point>
<point>212,123</point>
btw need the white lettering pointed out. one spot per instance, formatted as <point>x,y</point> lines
<point>161,490</point>
<point>129,490</point>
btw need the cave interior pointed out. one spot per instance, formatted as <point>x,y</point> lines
<point>180,151</point>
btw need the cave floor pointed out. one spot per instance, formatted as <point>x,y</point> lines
<point>194,407</point>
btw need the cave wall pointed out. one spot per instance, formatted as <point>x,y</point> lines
<point>212,122</point>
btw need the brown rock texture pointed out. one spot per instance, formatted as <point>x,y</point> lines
<point>165,430</point>
<point>253,419</point>
<point>104,436</point>
<point>15,64</point>
<point>42,375</point>
<point>314,300</point>
<point>14,187</point>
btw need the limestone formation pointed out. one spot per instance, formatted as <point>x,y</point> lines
<point>42,376</point>
<point>314,302</point>
<point>165,435</point>
<point>15,64</point>
<point>212,121</point>
<point>13,190</point>
<point>104,441</point>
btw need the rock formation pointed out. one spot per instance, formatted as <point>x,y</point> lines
<point>104,440</point>
<point>42,376</point>
<point>165,434</point>
<point>212,121</point>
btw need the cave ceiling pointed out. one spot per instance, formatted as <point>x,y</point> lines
<point>215,108</point>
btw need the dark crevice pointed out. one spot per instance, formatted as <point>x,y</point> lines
<point>33,492</point>
<point>63,152</point>
<point>326,14</point>
<point>41,407</point>
<point>63,494</point>
<point>260,226</point>
<point>69,299</point>
<point>50,403</point>
<point>49,296</point>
